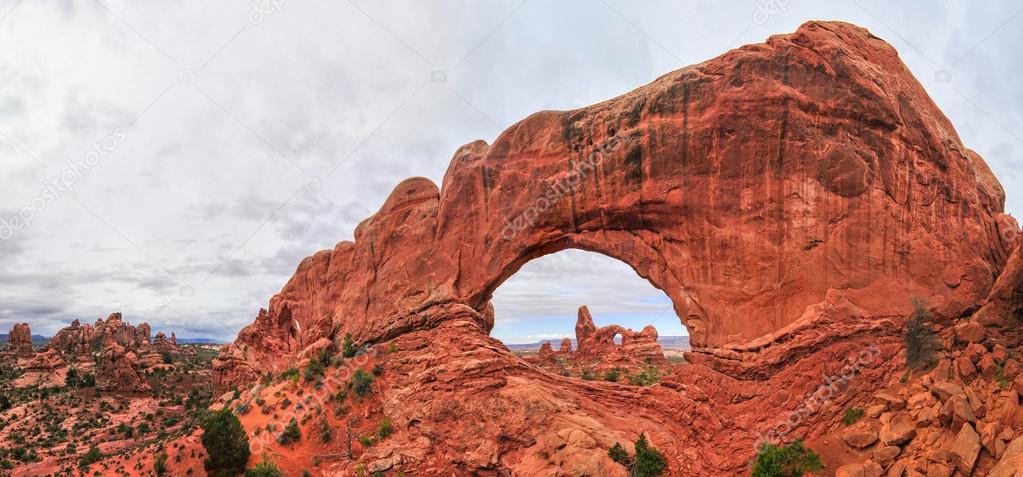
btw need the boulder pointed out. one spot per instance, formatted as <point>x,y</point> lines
<point>970,332</point>
<point>859,435</point>
<point>1011,462</point>
<point>866,469</point>
<point>965,449</point>
<point>899,430</point>
<point>885,456</point>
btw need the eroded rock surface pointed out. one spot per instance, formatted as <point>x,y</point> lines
<point>792,198</point>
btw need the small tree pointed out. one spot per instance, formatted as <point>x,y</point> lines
<point>291,433</point>
<point>852,415</point>
<point>791,460</point>
<point>227,446</point>
<point>649,462</point>
<point>920,340</point>
<point>93,455</point>
<point>160,464</point>
<point>362,382</point>
<point>266,468</point>
<point>618,454</point>
<point>385,428</point>
<point>326,432</point>
<point>348,348</point>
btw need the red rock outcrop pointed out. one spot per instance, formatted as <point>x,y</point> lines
<point>593,342</point>
<point>19,340</point>
<point>792,198</point>
<point>117,369</point>
<point>80,340</point>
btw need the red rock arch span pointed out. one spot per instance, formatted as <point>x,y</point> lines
<point>758,190</point>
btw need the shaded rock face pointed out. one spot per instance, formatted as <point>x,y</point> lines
<point>748,188</point>
<point>19,340</point>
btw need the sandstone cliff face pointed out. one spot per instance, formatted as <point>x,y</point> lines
<point>19,340</point>
<point>747,187</point>
<point>790,197</point>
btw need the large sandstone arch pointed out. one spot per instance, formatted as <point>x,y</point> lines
<point>757,189</point>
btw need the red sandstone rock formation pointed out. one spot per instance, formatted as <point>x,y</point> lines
<point>161,344</point>
<point>790,197</point>
<point>748,188</point>
<point>598,344</point>
<point>80,340</point>
<point>117,369</point>
<point>19,340</point>
<point>593,342</point>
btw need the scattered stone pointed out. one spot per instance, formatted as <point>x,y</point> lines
<point>965,449</point>
<point>859,435</point>
<point>970,332</point>
<point>899,431</point>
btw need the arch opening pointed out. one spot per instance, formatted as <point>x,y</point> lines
<point>583,313</point>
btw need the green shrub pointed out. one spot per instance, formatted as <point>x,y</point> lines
<point>648,377</point>
<point>291,433</point>
<point>649,462</point>
<point>348,348</point>
<point>290,374</point>
<point>852,415</point>
<point>619,455</point>
<point>378,369</point>
<point>160,464</point>
<point>362,382</point>
<point>920,340</point>
<point>791,460</point>
<point>612,375</point>
<point>93,455</point>
<point>588,375</point>
<point>385,428</point>
<point>326,432</point>
<point>266,468</point>
<point>226,444</point>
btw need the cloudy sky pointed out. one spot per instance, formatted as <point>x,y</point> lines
<point>175,160</point>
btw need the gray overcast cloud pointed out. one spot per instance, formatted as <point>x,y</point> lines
<point>180,158</point>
